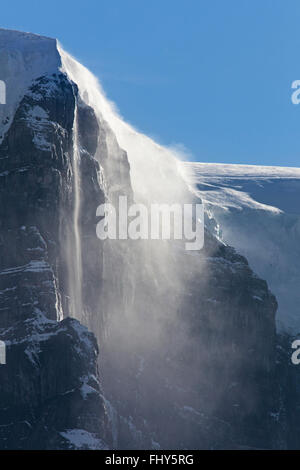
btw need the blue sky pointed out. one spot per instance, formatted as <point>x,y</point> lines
<point>212,75</point>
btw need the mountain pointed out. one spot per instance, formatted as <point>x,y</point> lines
<point>122,344</point>
<point>257,209</point>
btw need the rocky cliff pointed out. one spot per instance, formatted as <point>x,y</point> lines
<point>187,340</point>
<point>50,389</point>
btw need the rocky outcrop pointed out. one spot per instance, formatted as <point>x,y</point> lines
<point>50,390</point>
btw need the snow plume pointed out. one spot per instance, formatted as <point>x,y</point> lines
<point>157,299</point>
<point>145,282</point>
<point>155,175</point>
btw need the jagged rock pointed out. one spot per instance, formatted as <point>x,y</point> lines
<point>49,386</point>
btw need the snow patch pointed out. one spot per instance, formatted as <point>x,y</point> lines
<point>81,439</point>
<point>23,58</point>
<point>35,266</point>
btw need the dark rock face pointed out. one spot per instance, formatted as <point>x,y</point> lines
<point>232,325</point>
<point>50,391</point>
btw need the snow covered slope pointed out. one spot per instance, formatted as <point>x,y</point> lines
<point>23,58</point>
<point>258,212</point>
